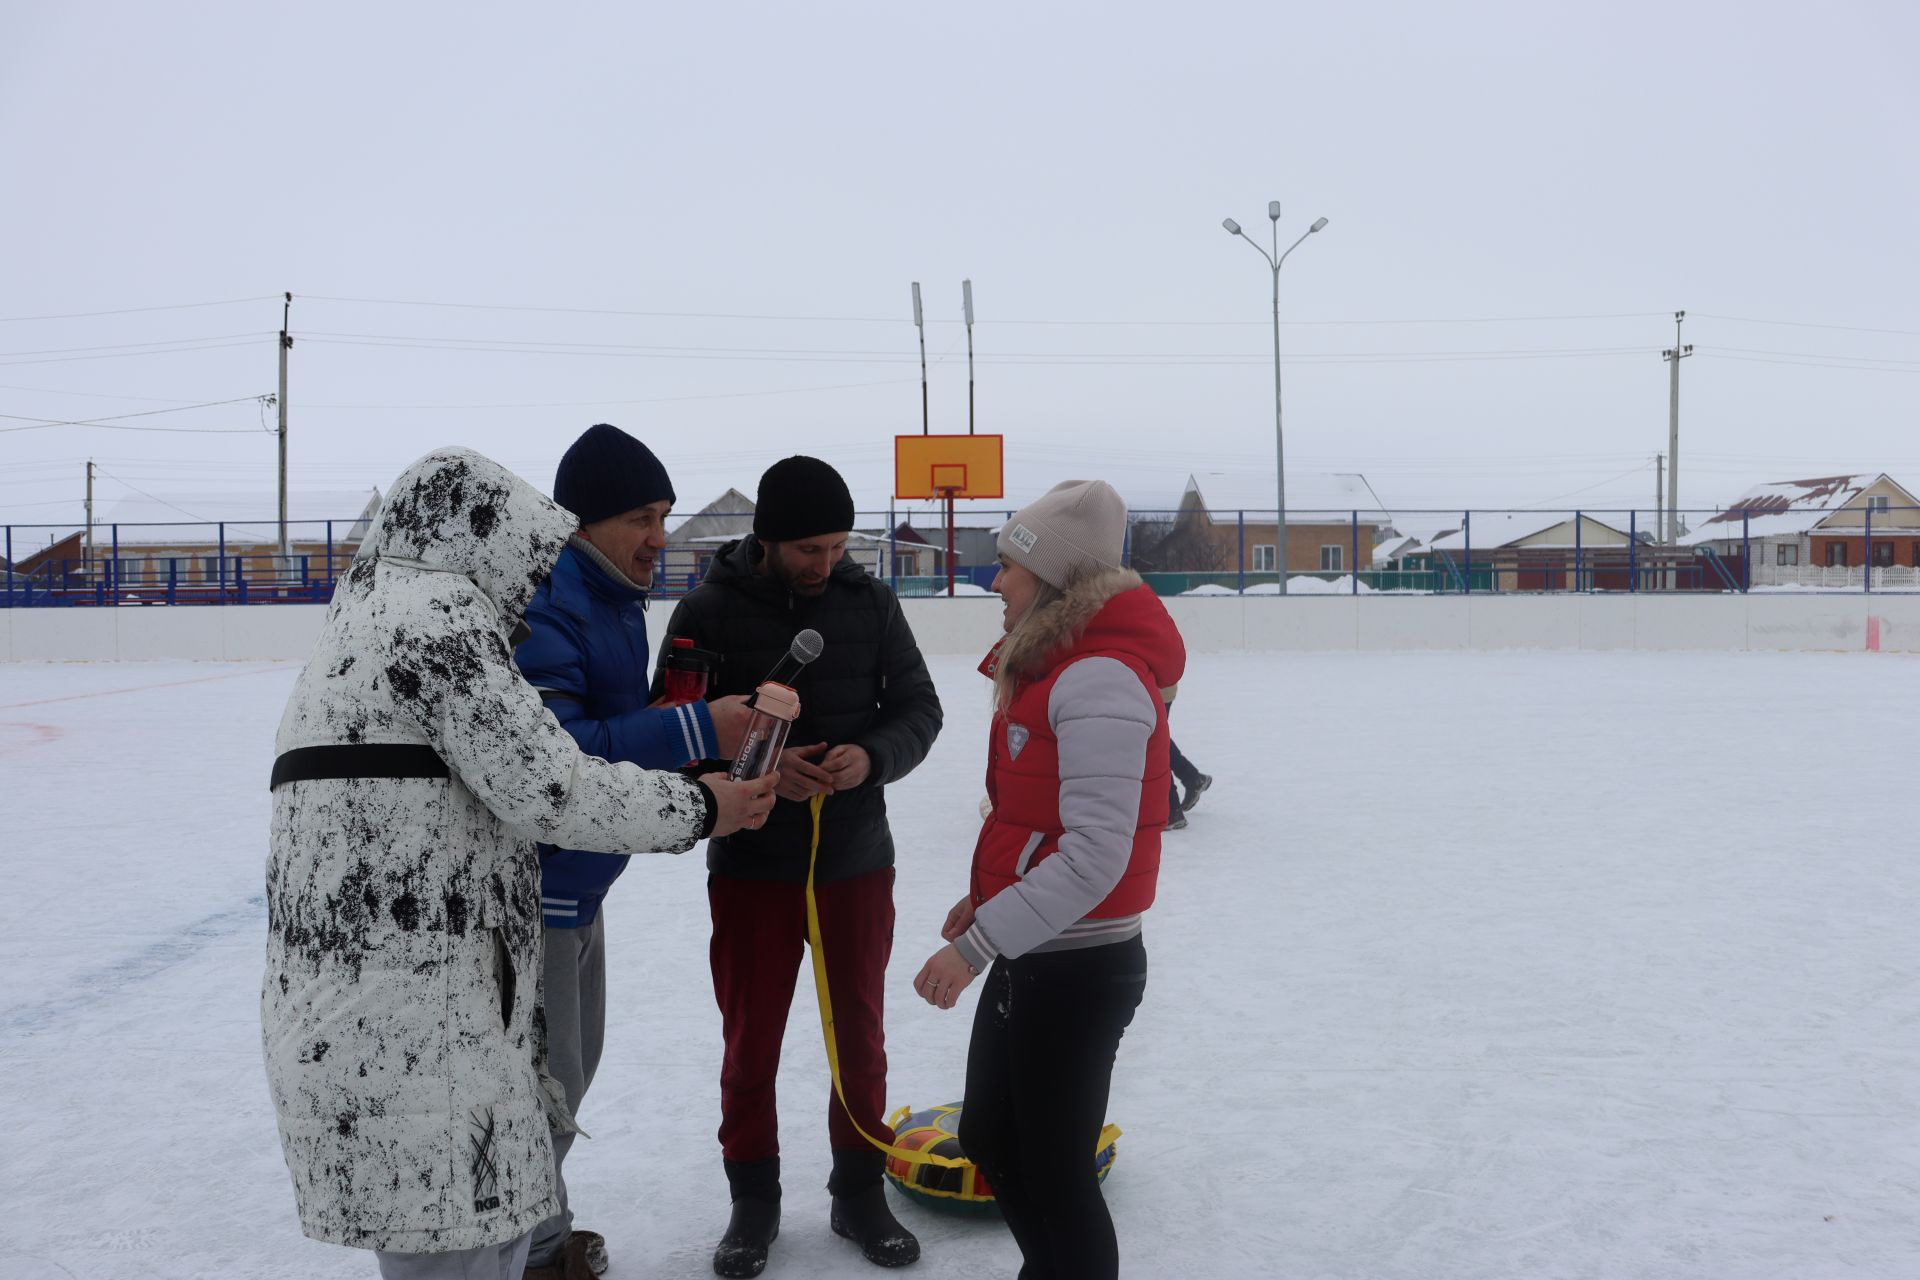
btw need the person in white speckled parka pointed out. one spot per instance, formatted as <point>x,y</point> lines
<point>415,770</point>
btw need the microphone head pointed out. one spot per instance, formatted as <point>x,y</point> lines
<point>806,646</point>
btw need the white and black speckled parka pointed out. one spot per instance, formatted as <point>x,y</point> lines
<point>400,1010</point>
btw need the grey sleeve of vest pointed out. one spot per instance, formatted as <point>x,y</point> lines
<point>1103,718</point>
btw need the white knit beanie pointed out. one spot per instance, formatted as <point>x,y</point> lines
<point>1079,527</point>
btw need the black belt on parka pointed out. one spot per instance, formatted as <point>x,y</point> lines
<point>359,760</point>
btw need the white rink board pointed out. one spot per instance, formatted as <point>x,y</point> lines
<point>1825,622</point>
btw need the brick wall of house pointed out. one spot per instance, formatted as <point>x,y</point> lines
<point>1906,548</point>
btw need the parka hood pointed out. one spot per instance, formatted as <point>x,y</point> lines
<point>457,511</point>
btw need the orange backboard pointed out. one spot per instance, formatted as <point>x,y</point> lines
<point>948,467</point>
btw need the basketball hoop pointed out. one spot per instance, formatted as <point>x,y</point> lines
<point>947,468</point>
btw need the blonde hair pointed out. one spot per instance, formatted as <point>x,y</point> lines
<point>1016,648</point>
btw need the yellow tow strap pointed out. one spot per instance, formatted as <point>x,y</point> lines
<point>826,1015</point>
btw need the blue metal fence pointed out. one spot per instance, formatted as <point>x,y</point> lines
<point>1870,549</point>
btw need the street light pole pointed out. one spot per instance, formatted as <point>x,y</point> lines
<point>1275,260</point>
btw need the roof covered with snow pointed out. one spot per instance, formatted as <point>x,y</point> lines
<point>1308,494</point>
<point>249,517</point>
<point>1785,508</point>
<point>1490,529</point>
<point>1393,548</point>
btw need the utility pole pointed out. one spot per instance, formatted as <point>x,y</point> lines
<point>1674,357</point>
<point>286,345</point>
<point>1659,497</point>
<point>86,562</point>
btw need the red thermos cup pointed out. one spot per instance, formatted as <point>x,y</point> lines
<point>687,671</point>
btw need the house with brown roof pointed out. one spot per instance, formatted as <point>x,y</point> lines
<point>1225,523</point>
<point>1821,532</point>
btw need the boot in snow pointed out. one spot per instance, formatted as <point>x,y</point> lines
<point>860,1211</point>
<point>582,1257</point>
<point>755,1187</point>
<point>865,1219</point>
<point>750,1234</point>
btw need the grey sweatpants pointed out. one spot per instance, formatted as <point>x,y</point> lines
<point>489,1262</point>
<point>575,976</point>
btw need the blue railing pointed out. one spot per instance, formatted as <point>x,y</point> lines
<point>1178,552</point>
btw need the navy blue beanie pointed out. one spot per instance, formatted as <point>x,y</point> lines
<point>608,472</point>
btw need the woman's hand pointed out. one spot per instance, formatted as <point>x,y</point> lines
<point>943,977</point>
<point>740,805</point>
<point>959,920</point>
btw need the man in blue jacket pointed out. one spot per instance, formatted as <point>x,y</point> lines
<point>587,655</point>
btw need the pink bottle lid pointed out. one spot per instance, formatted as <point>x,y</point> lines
<point>777,700</point>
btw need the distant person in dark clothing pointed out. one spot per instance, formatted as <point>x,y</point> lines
<point>1187,776</point>
<point>868,716</point>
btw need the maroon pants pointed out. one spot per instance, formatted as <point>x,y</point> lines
<point>759,941</point>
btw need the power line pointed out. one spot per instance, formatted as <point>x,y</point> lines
<point>122,355</point>
<point>804,355</point>
<point>127,346</point>
<point>1809,324</point>
<point>128,311</point>
<point>151,497</point>
<point>1574,493</point>
<point>98,395</point>
<point>901,319</point>
<point>1810,364</point>
<point>588,404</point>
<point>1811,355</point>
<point>112,422</point>
<point>828,319</point>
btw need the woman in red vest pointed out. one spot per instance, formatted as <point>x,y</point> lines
<point>1064,869</point>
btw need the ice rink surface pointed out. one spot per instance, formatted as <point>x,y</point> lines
<point>1528,965</point>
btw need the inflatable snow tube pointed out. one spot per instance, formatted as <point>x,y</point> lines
<point>936,1131</point>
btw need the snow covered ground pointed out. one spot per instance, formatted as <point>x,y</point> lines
<point>1470,965</point>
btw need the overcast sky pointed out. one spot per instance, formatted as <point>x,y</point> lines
<point>710,216</point>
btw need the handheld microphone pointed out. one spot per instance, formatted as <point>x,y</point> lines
<point>806,647</point>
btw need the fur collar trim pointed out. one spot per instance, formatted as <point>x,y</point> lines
<point>1046,631</point>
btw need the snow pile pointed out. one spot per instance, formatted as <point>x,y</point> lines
<point>1306,585</point>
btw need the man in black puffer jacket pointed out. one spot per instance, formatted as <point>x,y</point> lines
<point>868,715</point>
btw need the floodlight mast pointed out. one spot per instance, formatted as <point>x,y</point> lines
<point>919,323</point>
<point>966,305</point>
<point>1274,262</point>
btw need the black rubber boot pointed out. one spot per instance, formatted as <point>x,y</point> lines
<point>755,1221</point>
<point>861,1214</point>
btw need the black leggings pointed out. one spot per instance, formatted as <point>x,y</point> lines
<point>1038,1073</point>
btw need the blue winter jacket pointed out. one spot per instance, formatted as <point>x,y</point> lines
<point>587,656</point>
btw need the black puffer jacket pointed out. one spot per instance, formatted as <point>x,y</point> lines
<point>869,687</point>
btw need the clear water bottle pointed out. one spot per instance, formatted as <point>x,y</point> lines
<point>775,708</point>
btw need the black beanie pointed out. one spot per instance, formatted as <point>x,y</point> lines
<point>801,497</point>
<point>607,472</point>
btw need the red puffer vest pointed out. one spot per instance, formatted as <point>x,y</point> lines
<point>1123,620</point>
